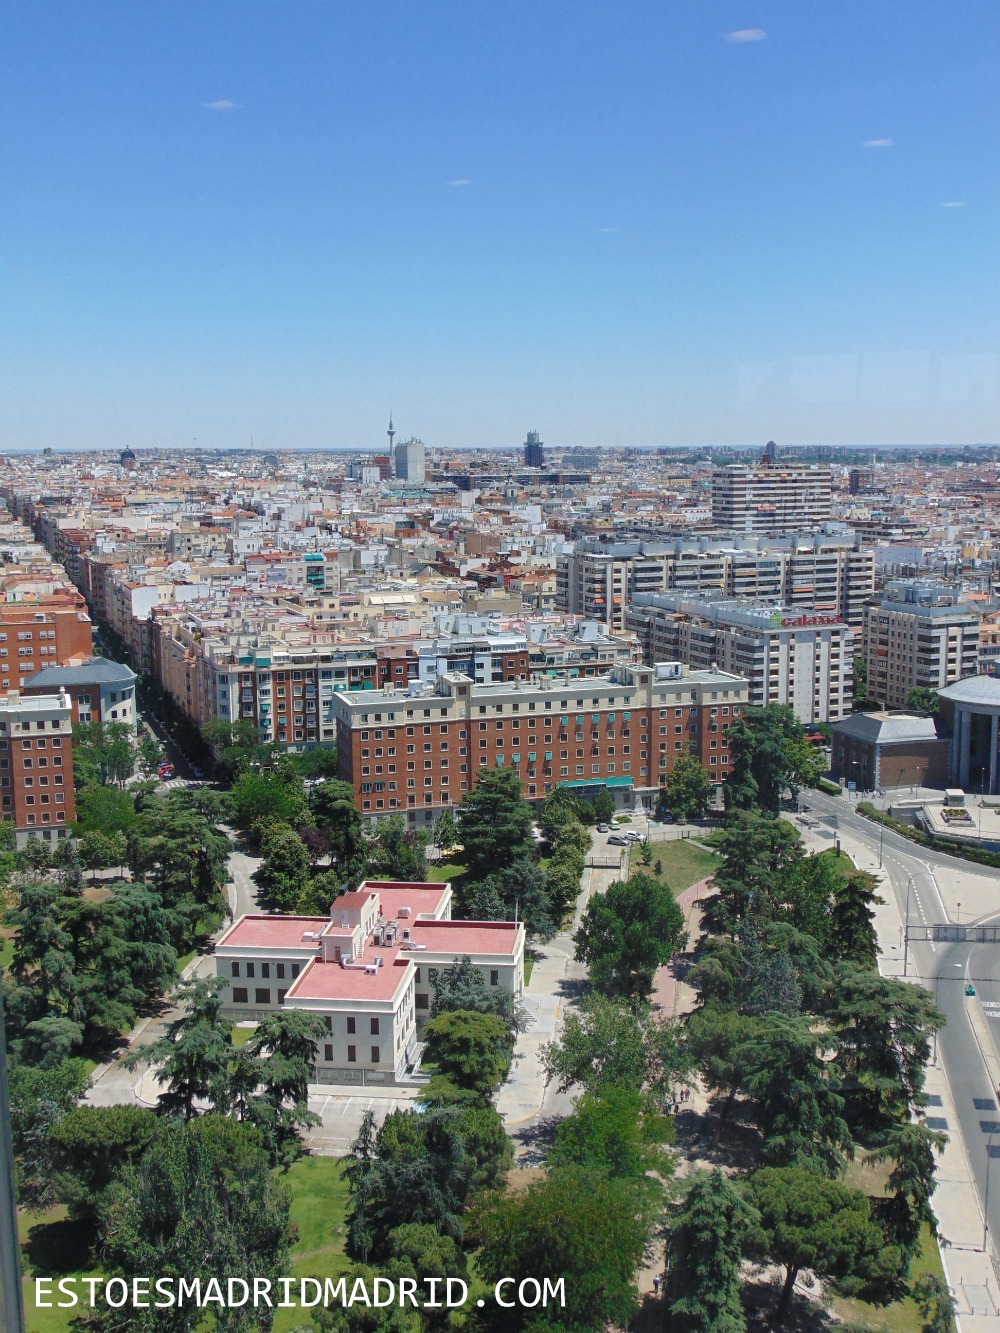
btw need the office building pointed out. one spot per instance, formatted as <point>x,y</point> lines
<point>801,658</point>
<point>887,749</point>
<point>367,970</point>
<point>99,689</point>
<point>36,765</point>
<point>411,464</point>
<point>419,750</point>
<point>771,499</point>
<point>534,450</point>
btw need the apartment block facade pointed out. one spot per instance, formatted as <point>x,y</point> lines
<point>36,765</point>
<point>908,645</point>
<point>418,751</point>
<point>823,574</point>
<point>785,498</point>
<point>804,659</point>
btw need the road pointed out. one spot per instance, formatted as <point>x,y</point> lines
<point>923,882</point>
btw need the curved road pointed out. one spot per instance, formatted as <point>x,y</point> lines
<point>968,1051</point>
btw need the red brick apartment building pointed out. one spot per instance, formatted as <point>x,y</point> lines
<point>36,765</point>
<point>41,634</point>
<point>418,751</point>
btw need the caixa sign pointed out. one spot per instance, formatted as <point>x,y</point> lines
<point>778,621</point>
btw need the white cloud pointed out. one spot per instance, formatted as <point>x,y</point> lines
<point>954,203</point>
<point>877,143</point>
<point>221,105</point>
<point>461,180</point>
<point>745,35</point>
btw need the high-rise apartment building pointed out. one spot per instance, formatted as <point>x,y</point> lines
<point>804,659</point>
<point>771,499</point>
<point>36,765</point>
<point>411,464</point>
<point>828,575</point>
<point>33,637</point>
<point>909,644</point>
<point>534,450</point>
<point>418,751</point>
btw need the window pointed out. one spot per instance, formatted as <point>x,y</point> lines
<point>239,995</point>
<point>494,977</point>
<point>279,970</point>
<point>251,969</point>
<point>423,1001</point>
<point>375,1029</point>
<point>265,969</point>
<point>236,969</point>
<point>350,1026</point>
<point>328,1054</point>
<point>376,1055</point>
<point>352,1055</point>
<point>262,996</point>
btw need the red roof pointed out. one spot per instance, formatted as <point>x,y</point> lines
<point>273,932</point>
<point>331,981</point>
<point>459,937</point>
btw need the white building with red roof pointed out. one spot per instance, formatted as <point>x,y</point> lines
<point>367,969</point>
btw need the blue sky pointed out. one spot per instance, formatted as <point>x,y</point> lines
<point>620,223</point>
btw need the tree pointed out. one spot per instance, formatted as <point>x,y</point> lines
<point>883,1027</point>
<point>415,1169</point>
<point>851,933</point>
<point>626,933</point>
<point>273,1071</point>
<point>201,1204</point>
<point>769,753</point>
<point>104,810</point>
<point>921,700</point>
<point>592,1230</point>
<point>333,812</point>
<point>445,830</point>
<point>707,1231</point>
<point>483,902</point>
<point>39,1098</point>
<point>472,1049</point>
<point>270,796</point>
<point>148,753</point>
<point>714,1039</point>
<point>604,806</point>
<point>194,1053</point>
<point>523,894</point>
<point>614,1130</point>
<point>860,683</point>
<point>395,851</point>
<point>687,791</point>
<point>935,1303</point>
<point>90,1145</point>
<point>463,986</point>
<point>911,1148</point>
<point>494,823</point>
<point>809,1222</point>
<point>757,853</point>
<point>284,872</point>
<point>103,752</point>
<point>795,1093</point>
<point>607,1043</point>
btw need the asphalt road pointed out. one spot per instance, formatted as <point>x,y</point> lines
<point>944,969</point>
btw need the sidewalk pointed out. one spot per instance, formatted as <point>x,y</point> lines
<point>970,1272</point>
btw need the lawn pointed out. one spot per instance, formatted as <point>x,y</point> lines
<point>319,1206</point>
<point>54,1247</point>
<point>441,874</point>
<point>841,861</point>
<point>683,863</point>
<point>901,1316</point>
<point>51,1247</point>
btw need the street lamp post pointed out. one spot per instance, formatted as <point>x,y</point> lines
<point>906,925</point>
<point>986,1194</point>
<point>881,832</point>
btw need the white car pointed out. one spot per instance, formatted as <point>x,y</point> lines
<point>633,835</point>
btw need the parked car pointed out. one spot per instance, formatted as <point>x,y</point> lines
<point>604,828</point>
<point>633,835</point>
<point>618,840</point>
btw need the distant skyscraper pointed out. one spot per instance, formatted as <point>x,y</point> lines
<point>534,450</point>
<point>410,462</point>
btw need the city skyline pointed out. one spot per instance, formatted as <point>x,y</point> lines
<point>646,229</point>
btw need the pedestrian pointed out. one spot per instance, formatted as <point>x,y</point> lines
<point>656,1285</point>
